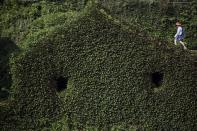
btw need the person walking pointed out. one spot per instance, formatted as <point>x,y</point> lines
<point>180,34</point>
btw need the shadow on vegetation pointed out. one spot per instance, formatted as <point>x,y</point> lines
<point>7,48</point>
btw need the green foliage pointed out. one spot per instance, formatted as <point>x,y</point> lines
<point>43,25</point>
<point>16,18</point>
<point>157,21</point>
<point>76,4</point>
<point>109,67</point>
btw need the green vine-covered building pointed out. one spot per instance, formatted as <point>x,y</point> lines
<point>91,70</point>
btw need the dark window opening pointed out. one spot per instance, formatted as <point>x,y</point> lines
<point>157,79</point>
<point>59,83</point>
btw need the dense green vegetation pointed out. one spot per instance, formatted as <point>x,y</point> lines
<point>158,18</point>
<point>120,70</point>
